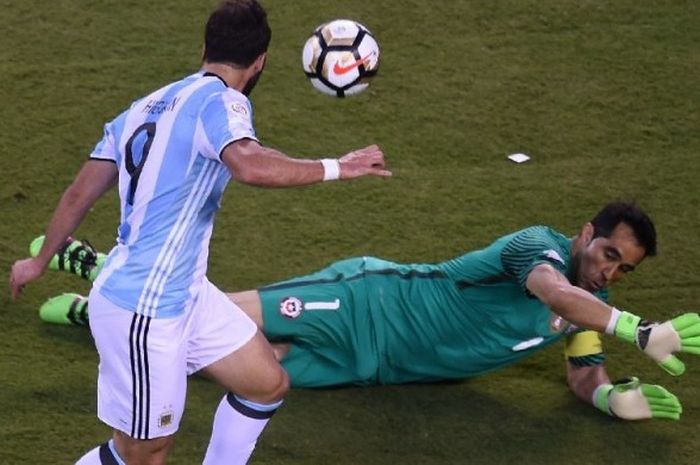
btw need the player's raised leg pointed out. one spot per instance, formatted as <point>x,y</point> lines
<point>255,381</point>
<point>256,385</point>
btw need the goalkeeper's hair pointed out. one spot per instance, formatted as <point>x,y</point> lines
<point>237,32</point>
<point>633,216</point>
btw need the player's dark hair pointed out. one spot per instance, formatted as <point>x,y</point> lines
<point>629,213</point>
<point>237,32</point>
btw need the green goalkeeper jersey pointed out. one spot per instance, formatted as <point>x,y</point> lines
<point>469,315</point>
<point>397,323</point>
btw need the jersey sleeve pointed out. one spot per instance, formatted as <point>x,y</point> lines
<point>225,118</point>
<point>529,248</point>
<point>105,148</point>
<point>584,349</point>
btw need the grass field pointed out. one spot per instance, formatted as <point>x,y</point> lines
<point>602,94</point>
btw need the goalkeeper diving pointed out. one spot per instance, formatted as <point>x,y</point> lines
<point>365,320</point>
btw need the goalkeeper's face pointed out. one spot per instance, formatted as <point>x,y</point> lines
<point>601,261</point>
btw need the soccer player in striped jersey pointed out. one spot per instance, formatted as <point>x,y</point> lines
<point>370,321</point>
<point>155,317</point>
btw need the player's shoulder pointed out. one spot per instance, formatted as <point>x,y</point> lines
<point>539,230</point>
<point>535,234</point>
<point>219,90</point>
<point>539,240</point>
<point>228,99</point>
<point>539,235</point>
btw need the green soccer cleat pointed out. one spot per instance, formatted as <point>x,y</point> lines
<point>65,309</point>
<point>77,257</point>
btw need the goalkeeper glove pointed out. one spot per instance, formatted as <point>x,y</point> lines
<point>631,400</point>
<point>661,340</point>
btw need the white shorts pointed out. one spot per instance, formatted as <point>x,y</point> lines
<point>144,362</point>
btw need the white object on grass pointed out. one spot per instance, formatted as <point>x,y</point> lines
<point>518,157</point>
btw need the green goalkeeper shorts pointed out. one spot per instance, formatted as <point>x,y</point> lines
<point>326,319</point>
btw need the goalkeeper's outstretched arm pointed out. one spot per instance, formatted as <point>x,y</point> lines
<point>660,341</point>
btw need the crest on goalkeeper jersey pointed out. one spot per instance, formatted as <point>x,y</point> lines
<point>291,307</point>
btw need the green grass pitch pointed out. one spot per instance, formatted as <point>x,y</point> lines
<point>602,94</point>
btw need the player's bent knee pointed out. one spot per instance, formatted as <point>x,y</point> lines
<point>251,372</point>
<point>275,389</point>
<point>283,385</point>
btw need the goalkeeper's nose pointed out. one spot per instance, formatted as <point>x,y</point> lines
<point>612,274</point>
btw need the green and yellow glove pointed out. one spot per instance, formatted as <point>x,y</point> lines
<point>661,340</point>
<point>630,399</point>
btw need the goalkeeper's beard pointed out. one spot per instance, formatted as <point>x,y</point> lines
<point>575,269</point>
<point>577,277</point>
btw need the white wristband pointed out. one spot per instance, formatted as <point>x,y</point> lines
<point>614,316</point>
<point>331,169</point>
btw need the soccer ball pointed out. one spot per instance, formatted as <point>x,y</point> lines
<point>341,57</point>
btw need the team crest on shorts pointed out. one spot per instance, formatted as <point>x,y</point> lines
<point>291,307</point>
<point>165,419</point>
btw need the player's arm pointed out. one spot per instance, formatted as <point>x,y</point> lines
<point>93,180</point>
<point>254,164</point>
<point>578,306</point>
<point>627,399</point>
<point>574,304</point>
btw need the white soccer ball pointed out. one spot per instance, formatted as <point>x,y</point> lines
<point>341,57</point>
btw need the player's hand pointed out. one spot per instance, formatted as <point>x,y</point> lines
<point>363,162</point>
<point>661,340</point>
<point>23,272</point>
<point>630,399</point>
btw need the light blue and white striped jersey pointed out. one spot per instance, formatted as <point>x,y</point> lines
<point>167,148</point>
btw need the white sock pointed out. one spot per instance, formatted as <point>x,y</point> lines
<point>104,454</point>
<point>237,425</point>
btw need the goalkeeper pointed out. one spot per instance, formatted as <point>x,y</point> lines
<point>368,321</point>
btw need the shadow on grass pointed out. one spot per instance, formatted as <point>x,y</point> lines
<point>453,423</point>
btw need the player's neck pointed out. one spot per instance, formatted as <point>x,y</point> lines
<point>233,77</point>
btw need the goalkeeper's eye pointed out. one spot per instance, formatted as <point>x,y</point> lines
<point>612,254</point>
<point>626,268</point>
